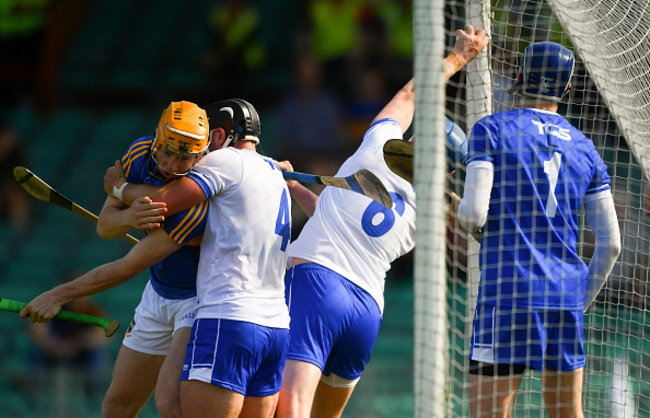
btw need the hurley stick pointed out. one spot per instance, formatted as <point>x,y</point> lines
<point>363,182</point>
<point>109,325</point>
<point>398,155</point>
<point>43,191</point>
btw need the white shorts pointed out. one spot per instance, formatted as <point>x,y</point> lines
<point>156,320</point>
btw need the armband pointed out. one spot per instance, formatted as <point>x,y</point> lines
<point>118,190</point>
<point>454,59</point>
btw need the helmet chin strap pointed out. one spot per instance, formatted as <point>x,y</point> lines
<point>227,141</point>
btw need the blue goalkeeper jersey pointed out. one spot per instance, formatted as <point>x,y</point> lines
<point>543,168</point>
<point>175,276</point>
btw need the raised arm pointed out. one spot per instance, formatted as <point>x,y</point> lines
<point>149,251</point>
<point>468,45</point>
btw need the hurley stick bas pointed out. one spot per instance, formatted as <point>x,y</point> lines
<point>363,182</point>
<point>398,155</point>
<point>109,325</point>
<point>43,191</point>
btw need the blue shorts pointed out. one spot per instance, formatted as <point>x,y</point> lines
<point>240,356</point>
<point>334,323</point>
<point>536,338</point>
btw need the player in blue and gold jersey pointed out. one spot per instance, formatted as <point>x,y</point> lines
<point>153,350</point>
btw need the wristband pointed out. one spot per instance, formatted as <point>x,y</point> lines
<point>454,59</point>
<point>117,191</point>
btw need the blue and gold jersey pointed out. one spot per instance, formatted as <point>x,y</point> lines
<point>175,276</point>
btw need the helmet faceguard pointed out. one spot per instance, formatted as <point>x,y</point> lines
<point>238,118</point>
<point>545,71</point>
<point>182,138</point>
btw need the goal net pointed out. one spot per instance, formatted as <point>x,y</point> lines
<point>609,102</point>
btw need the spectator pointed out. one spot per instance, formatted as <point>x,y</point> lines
<point>315,140</point>
<point>315,118</point>
<point>14,202</point>
<point>334,43</point>
<point>237,48</point>
<point>397,17</point>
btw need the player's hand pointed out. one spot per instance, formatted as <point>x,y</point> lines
<point>286,166</point>
<point>470,43</point>
<point>113,174</point>
<point>452,216</point>
<point>147,214</point>
<point>43,308</point>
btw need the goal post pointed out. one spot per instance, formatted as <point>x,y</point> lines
<point>609,102</point>
<point>431,346</point>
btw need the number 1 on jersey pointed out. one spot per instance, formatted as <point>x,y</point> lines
<point>552,169</point>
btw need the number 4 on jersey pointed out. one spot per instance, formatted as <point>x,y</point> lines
<point>283,222</point>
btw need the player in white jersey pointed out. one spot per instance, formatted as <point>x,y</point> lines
<point>528,171</point>
<point>238,343</point>
<point>153,348</point>
<point>335,286</point>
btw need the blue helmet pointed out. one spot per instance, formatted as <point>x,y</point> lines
<point>545,71</point>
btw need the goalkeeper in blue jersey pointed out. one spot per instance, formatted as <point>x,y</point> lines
<point>528,172</point>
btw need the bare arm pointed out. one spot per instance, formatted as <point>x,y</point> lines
<point>152,249</point>
<point>401,107</point>
<point>305,198</point>
<point>469,44</point>
<point>117,218</point>
<point>177,195</point>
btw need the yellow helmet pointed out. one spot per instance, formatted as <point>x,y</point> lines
<point>182,133</point>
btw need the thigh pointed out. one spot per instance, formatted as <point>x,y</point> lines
<point>259,406</point>
<point>169,380</point>
<point>299,382</point>
<point>134,379</point>
<point>563,392</point>
<point>201,399</point>
<point>492,396</point>
<point>330,401</point>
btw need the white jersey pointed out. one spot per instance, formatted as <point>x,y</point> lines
<point>353,235</point>
<point>243,251</point>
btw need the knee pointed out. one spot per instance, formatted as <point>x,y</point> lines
<point>168,405</point>
<point>114,406</point>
